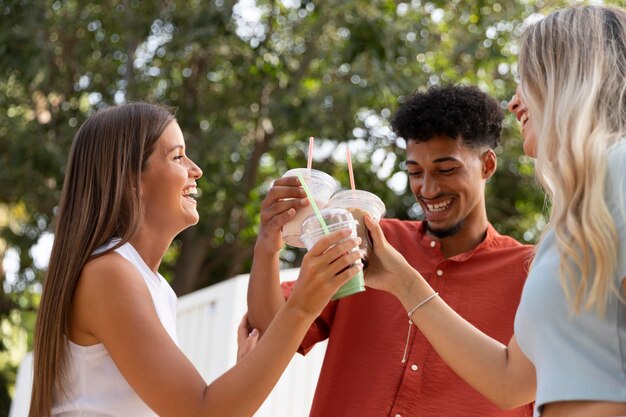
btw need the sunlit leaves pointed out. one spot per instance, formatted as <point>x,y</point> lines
<point>251,82</point>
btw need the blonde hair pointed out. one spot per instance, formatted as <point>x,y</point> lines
<point>100,200</point>
<point>573,72</point>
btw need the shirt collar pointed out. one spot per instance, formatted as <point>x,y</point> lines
<point>428,242</point>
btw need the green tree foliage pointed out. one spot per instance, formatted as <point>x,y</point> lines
<point>251,82</point>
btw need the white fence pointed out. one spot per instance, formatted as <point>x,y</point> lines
<point>207,324</point>
<point>207,333</point>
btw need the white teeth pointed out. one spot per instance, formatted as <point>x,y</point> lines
<point>190,191</point>
<point>439,206</point>
<point>523,119</point>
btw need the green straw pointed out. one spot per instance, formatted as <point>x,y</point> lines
<point>312,201</point>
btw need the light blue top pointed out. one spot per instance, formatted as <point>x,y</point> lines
<point>576,356</point>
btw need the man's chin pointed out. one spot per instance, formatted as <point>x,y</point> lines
<point>443,232</point>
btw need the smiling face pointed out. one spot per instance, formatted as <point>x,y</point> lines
<point>168,183</point>
<point>517,106</point>
<point>448,180</point>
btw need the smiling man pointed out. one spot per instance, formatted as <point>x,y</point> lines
<point>371,368</point>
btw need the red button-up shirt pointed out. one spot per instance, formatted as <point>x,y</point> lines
<point>362,374</point>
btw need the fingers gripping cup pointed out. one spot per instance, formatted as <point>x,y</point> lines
<point>322,186</point>
<point>334,219</point>
<point>359,202</point>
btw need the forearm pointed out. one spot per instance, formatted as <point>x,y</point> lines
<point>242,389</point>
<point>480,360</point>
<point>265,297</point>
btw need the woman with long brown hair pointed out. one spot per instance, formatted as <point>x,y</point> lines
<point>105,339</point>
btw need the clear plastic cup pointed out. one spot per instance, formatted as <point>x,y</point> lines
<point>359,202</point>
<point>322,186</point>
<point>335,219</point>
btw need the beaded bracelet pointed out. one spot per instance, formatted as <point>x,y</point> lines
<point>410,314</point>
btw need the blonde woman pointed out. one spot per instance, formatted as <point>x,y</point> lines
<point>569,347</point>
<point>105,340</point>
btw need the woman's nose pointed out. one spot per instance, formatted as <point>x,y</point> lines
<point>513,104</point>
<point>194,170</point>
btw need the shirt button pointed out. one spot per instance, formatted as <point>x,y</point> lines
<point>414,367</point>
<point>439,272</point>
<point>398,415</point>
<point>433,244</point>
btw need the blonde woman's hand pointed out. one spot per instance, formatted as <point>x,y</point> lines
<point>329,264</point>
<point>246,339</point>
<point>387,269</point>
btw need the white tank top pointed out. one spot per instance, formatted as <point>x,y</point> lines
<point>96,386</point>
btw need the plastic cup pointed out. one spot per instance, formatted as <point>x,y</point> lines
<point>359,202</point>
<point>335,219</point>
<point>322,186</point>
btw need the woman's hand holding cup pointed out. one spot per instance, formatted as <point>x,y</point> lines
<point>330,263</point>
<point>387,270</point>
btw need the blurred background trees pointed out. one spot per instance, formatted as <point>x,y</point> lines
<point>251,81</point>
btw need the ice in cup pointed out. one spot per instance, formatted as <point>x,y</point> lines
<point>322,186</point>
<point>359,202</point>
<point>335,219</point>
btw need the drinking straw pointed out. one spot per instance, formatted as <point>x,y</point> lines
<point>350,169</point>
<point>313,205</point>
<point>310,156</point>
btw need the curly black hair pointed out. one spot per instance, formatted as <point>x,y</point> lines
<point>451,111</point>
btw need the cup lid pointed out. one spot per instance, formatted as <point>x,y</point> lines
<point>333,217</point>
<point>316,175</point>
<point>359,199</point>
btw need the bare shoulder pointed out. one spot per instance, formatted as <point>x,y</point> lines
<point>110,278</point>
<point>107,270</point>
<point>109,289</point>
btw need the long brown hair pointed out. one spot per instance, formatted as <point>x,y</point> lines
<point>100,201</point>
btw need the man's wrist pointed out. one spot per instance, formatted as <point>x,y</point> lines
<point>261,247</point>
